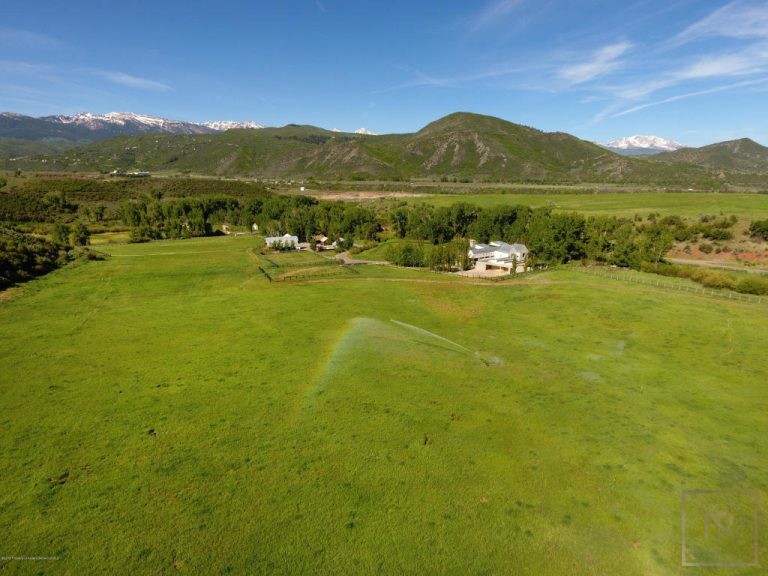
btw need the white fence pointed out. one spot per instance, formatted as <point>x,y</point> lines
<point>680,287</point>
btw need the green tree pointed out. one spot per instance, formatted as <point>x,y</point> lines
<point>60,234</point>
<point>599,231</point>
<point>399,221</point>
<point>98,212</point>
<point>625,250</point>
<point>79,234</point>
<point>655,242</point>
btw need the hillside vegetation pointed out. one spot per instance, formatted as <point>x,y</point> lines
<point>461,146</point>
<point>743,155</point>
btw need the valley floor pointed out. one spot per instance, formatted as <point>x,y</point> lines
<point>171,409</point>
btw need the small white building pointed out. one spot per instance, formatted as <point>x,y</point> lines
<point>324,243</point>
<point>498,255</point>
<point>284,240</point>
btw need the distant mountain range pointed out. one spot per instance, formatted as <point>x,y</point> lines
<point>459,147</point>
<point>640,145</point>
<point>87,127</point>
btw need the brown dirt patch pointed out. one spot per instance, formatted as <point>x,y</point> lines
<point>366,195</point>
<point>10,293</point>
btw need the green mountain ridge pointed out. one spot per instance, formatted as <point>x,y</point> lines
<point>743,155</point>
<point>463,146</point>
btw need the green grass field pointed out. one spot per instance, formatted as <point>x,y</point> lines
<point>748,206</point>
<point>169,410</point>
<point>110,238</point>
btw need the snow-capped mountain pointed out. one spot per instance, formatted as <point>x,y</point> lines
<point>365,131</point>
<point>229,125</point>
<point>640,144</point>
<point>128,123</point>
<point>86,126</point>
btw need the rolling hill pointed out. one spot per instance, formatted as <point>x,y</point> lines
<point>743,155</point>
<point>460,146</point>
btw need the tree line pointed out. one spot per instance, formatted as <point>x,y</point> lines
<point>552,237</point>
<point>156,218</point>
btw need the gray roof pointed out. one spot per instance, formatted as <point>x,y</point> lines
<point>498,246</point>
<point>269,240</point>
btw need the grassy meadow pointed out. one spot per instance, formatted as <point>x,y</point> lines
<point>692,204</point>
<point>171,410</point>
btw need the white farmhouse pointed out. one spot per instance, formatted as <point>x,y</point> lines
<point>498,255</point>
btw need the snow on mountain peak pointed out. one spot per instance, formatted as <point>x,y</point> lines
<point>228,125</point>
<point>97,121</point>
<point>642,142</point>
<point>365,131</point>
<point>144,123</point>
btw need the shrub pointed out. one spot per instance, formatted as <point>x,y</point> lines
<point>717,234</point>
<point>706,247</point>
<point>753,285</point>
<point>717,280</point>
<point>79,234</point>
<point>60,234</point>
<point>759,229</point>
<point>23,257</point>
<point>406,254</point>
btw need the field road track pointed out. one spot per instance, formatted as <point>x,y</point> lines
<point>715,265</point>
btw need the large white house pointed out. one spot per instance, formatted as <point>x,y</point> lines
<point>498,255</point>
<point>284,240</point>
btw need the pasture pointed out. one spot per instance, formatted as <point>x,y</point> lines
<point>692,204</point>
<point>170,410</point>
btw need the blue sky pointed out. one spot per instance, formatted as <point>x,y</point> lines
<point>692,70</point>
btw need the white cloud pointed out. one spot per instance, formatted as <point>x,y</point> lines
<point>723,65</point>
<point>26,39</point>
<point>687,95</point>
<point>602,61</point>
<point>492,14</point>
<point>753,60</point>
<point>16,67</point>
<point>133,81</point>
<point>735,20</point>
<point>421,79</point>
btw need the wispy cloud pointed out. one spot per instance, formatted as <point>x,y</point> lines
<point>735,20</point>
<point>492,14</point>
<point>600,63</point>
<point>422,79</point>
<point>751,61</point>
<point>687,95</point>
<point>745,24</point>
<point>130,81</point>
<point>747,62</point>
<point>26,39</point>
<point>19,67</point>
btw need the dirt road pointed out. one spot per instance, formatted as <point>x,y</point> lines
<point>716,265</point>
